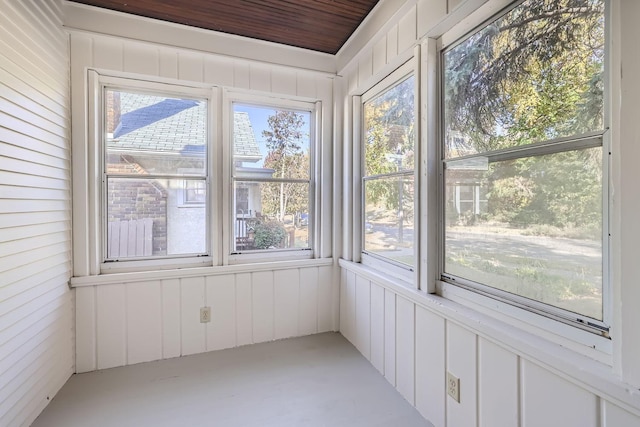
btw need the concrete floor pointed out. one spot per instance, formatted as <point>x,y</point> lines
<point>320,380</point>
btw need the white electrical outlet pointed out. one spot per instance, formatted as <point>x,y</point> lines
<point>453,386</point>
<point>205,314</point>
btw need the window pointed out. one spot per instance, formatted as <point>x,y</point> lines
<point>272,177</point>
<point>388,171</point>
<point>150,139</point>
<point>524,180</point>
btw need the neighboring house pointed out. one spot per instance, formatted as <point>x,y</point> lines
<point>152,135</point>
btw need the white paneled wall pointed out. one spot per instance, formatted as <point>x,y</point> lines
<point>36,304</point>
<point>126,323</point>
<point>498,388</point>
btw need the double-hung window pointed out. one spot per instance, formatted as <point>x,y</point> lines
<point>388,172</point>
<point>155,163</point>
<point>523,159</point>
<point>272,159</point>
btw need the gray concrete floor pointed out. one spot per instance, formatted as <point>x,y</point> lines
<point>319,380</point>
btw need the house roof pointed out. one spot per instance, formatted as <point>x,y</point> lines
<point>149,123</point>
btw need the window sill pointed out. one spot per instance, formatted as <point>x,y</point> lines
<point>590,369</point>
<point>144,276</point>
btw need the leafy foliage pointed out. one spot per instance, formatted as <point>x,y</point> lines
<point>269,234</point>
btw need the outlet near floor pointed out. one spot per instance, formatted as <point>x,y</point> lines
<point>205,314</point>
<point>453,386</point>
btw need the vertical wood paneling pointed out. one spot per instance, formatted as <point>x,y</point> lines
<point>407,30</point>
<point>260,78</point>
<point>390,336</point>
<point>392,43</point>
<point>405,348</point>
<point>171,318</point>
<point>328,293</point>
<point>108,53</point>
<point>241,75</point>
<point>218,71</point>
<point>144,325</point>
<point>111,326</point>
<point>190,67</point>
<point>306,85</point>
<point>365,67</point>
<point>141,59</point>
<point>168,63</point>
<point>263,306</point>
<point>363,316</point>
<point>286,295</point>
<point>284,82</point>
<point>379,54</point>
<point>308,303</point>
<point>461,362</point>
<point>498,386</point>
<point>430,366</point>
<point>614,416</point>
<point>221,297</point>
<point>192,298</point>
<point>348,322</point>
<point>550,400</point>
<point>85,329</point>
<point>244,310</point>
<point>377,327</point>
<point>430,12</point>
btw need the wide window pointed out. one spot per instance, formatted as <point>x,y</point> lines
<point>524,191</point>
<point>272,182</point>
<point>155,165</point>
<point>388,169</point>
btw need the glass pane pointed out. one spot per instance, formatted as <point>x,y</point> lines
<point>149,217</point>
<point>529,226</point>
<point>154,134</point>
<point>389,130</point>
<point>271,215</point>
<point>534,74</point>
<point>271,143</point>
<point>389,218</point>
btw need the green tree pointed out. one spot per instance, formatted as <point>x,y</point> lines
<point>285,139</point>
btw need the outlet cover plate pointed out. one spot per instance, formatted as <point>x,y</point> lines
<point>453,386</point>
<point>205,314</point>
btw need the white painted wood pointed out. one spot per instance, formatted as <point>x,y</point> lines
<point>407,30</point>
<point>260,77</point>
<point>309,303</point>
<point>550,400</point>
<point>284,82</point>
<point>241,75</point>
<point>263,306</point>
<point>171,318</point>
<point>429,13</point>
<point>498,386</point>
<point>461,362</point>
<point>111,326</point>
<point>306,85</point>
<point>168,64</point>
<point>328,293</point>
<point>190,67</point>
<point>85,314</point>
<point>349,323</point>
<point>377,327</point>
<point>286,303</point>
<point>614,416</point>
<point>221,297</point>
<point>405,348</point>
<point>430,366</point>
<point>144,325</point>
<point>379,54</point>
<point>140,59</point>
<point>108,53</point>
<point>390,336</point>
<point>452,4</point>
<point>192,332</point>
<point>218,71</point>
<point>392,43</point>
<point>244,310</point>
<point>365,67</point>
<point>363,316</point>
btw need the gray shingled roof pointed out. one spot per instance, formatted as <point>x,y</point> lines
<point>160,124</point>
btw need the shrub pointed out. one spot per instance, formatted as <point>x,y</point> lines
<point>269,235</point>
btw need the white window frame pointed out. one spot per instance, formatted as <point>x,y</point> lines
<point>407,274</point>
<point>97,198</point>
<point>574,334</point>
<point>230,257</point>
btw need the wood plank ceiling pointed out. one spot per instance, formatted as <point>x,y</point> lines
<point>319,25</point>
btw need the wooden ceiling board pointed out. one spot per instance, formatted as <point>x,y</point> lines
<point>319,25</point>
